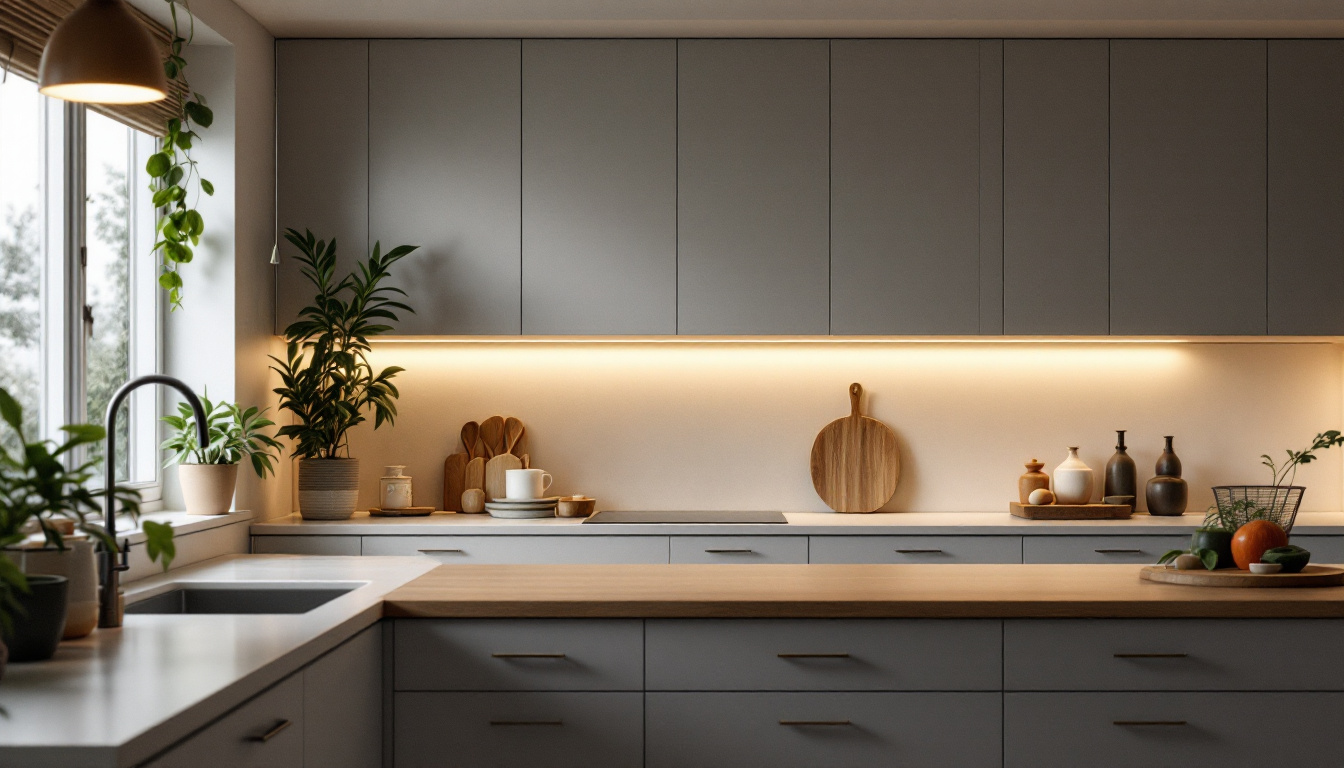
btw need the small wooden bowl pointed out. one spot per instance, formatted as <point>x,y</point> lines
<point>570,506</point>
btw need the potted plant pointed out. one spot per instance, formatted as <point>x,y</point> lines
<point>209,474</point>
<point>328,383</point>
<point>1279,501</point>
<point>39,491</point>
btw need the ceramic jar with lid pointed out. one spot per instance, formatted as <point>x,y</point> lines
<point>1031,480</point>
<point>394,489</point>
<point>1073,480</point>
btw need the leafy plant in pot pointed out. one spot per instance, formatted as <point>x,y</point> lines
<point>209,474</point>
<point>39,491</point>
<point>328,383</point>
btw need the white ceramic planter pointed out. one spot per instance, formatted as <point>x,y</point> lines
<point>208,489</point>
<point>328,488</point>
<point>1072,481</point>
<point>79,565</point>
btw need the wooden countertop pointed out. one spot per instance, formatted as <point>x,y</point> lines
<point>835,591</point>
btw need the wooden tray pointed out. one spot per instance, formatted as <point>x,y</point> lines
<point>407,512</point>
<point>1311,576</point>
<point>1071,511</point>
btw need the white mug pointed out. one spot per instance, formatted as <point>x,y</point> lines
<point>525,483</point>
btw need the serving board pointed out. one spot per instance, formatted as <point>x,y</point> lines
<point>1311,576</point>
<point>1070,511</point>
<point>856,463</point>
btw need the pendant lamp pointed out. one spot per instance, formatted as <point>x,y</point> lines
<point>102,54</point>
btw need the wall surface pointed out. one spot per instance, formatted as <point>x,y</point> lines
<point>730,425</point>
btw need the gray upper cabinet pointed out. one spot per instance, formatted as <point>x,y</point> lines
<point>752,187</point>
<point>905,187</point>
<point>1306,186</point>
<point>1188,183</point>
<point>445,174</point>
<point>1056,249</point>
<point>322,155</point>
<point>599,187</point>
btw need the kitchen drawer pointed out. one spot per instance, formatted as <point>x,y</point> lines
<point>1099,549</point>
<point>1172,654</point>
<point>916,549</point>
<point>777,730</point>
<point>823,655</point>
<point>1124,730</point>
<point>524,550</point>
<point>745,550</point>
<point>305,545</point>
<point>1323,549</point>
<point>519,655</point>
<point>265,732</point>
<point>526,730</point>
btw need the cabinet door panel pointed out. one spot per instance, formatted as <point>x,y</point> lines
<point>445,167</point>
<point>264,732</point>
<point>905,187</point>
<point>322,156</point>
<point>1188,187</point>
<point>1099,549</point>
<point>915,549</point>
<point>752,187</point>
<point>742,550</point>
<point>1306,186</point>
<point>599,187</point>
<point>1056,253</point>
<point>549,550</point>
<point>343,704</point>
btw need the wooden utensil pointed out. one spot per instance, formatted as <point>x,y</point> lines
<point>513,432</point>
<point>1311,576</point>
<point>856,463</point>
<point>492,436</point>
<point>471,433</point>
<point>474,477</point>
<point>454,481</point>
<point>494,474</point>
<point>1070,511</point>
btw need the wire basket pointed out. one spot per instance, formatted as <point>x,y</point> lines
<point>1279,502</point>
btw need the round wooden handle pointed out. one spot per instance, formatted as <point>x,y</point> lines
<point>855,392</point>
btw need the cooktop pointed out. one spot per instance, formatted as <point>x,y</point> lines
<point>692,518</point>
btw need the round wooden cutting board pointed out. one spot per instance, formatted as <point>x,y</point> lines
<point>856,463</point>
<point>1311,576</point>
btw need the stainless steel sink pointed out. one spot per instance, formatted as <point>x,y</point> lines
<point>236,598</point>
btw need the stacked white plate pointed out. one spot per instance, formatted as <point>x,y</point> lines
<point>518,509</point>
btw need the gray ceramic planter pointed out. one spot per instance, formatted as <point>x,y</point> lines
<point>328,488</point>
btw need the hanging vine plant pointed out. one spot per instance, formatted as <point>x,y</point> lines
<point>176,179</point>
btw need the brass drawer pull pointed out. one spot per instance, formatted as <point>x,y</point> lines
<point>528,655</point>
<point>527,722</point>
<point>441,551</point>
<point>813,655</point>
<point>814,722</point>
<point>271,734</point>
<point>920,551</point>
<point>1150,722</point>
<point>730,551</point>
<point>1152,655</point>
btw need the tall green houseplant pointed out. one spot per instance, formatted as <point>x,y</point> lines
<point>328,383</point>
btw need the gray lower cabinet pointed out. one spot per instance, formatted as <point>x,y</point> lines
<point>774,730</point>
<point>1099,549</point>
<point>266,731</point>
<point>599,187</point>
<point>444,174</point>
<point>905,187</point>
<point>547,550</point>
<point>306,545</point>
<point>752,187</point>
<point>739,550</point>
<point>1323,549</point>
<point>915,549</point>
<point>1188,187</point>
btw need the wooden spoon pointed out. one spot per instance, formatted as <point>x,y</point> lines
<point>471,431</point>
<point>513,432</point>
<point>492,435</point>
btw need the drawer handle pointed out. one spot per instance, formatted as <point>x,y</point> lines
<point>730,551</point>
<point>441,551</point>
<point>1118,551</point>
<point>1152,655</point>
<point>814,722</point>
<point>527,722</point>
<point>1127,723</point>
<point>271,734</point>
<point>813,655</point>
<point>528,655</point>
<point>920,551</point>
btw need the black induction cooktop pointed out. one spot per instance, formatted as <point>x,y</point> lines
<point>686,518</point>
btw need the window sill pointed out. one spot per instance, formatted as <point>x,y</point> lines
<point>182,523</point>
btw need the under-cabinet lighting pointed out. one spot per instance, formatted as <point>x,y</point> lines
<point>849,340</point>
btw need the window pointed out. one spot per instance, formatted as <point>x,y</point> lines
<point>78,300</point>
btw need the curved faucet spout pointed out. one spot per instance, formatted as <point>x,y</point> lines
<point>113,563</point>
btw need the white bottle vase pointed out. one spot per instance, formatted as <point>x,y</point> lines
<point>1072,481</point>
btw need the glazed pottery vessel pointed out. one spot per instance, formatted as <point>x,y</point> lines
<point>40,620</point>
<point>207,489</point>
<point>1167,494</point>
<point>78,563</point>
<point>1073,480</point>
<point>1121,476</point>
<point>328,488</point>
<point>1216,540</point>
<point>1030,480</point>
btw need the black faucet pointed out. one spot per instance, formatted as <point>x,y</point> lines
<point>111,564</point>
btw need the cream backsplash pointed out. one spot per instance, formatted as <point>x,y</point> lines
<point>681,425</point>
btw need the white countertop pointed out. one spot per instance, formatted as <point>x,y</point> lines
<point>120,696</point>
<point>800,524</point>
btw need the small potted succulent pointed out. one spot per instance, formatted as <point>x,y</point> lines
<point>209,474</point>
<point>327,381</point>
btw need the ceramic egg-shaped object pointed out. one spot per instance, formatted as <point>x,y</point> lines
<point>1041,496</point>
<point>1073,480</point>
<point>1188,562</point>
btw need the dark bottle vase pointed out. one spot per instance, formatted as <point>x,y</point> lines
<point>40,620</point>
<point>1121,475</point>
<point>1167,493</point>
<point>1168,464</point>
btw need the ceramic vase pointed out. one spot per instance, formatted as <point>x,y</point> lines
<point>1031,480</point>
<point>1121,477</point>
<point>1167,493</point>
<point>1072,480</point>
<point>38,622</point>
<point>78,563</point>
<point>328,488</point>
<point>207,489</point>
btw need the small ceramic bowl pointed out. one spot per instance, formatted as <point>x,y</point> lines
<point>575,506</point>
<point>1266,567</point>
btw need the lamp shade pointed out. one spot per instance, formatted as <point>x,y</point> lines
<point>101,53</point>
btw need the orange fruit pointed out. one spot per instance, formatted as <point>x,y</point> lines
<point>1252,540</point>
